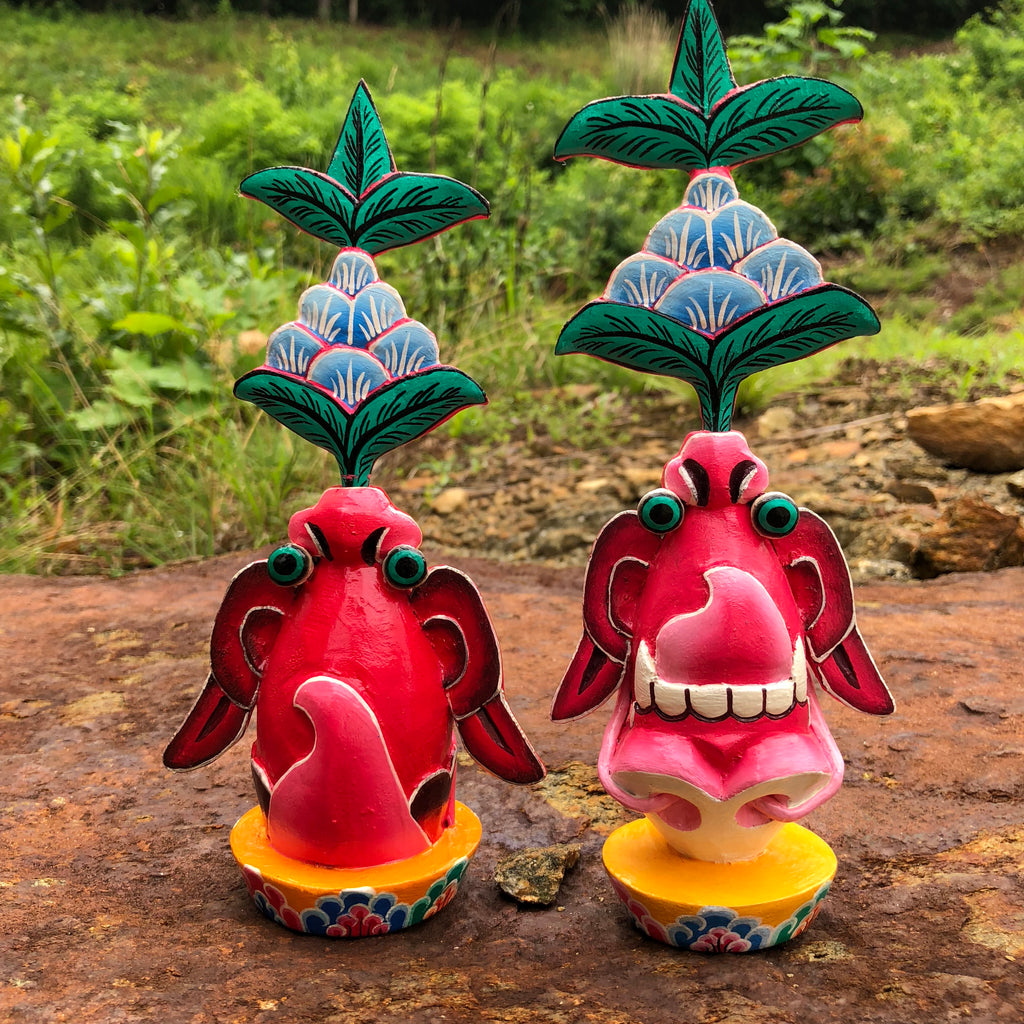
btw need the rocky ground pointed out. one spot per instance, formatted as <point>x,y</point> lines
<point>120,900</point>
<point>844,450</point>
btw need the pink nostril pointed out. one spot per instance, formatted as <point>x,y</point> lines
<point>750,815</point>
<point>677,813</point>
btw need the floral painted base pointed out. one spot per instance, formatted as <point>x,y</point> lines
<point>719,908</point>
<point>353,903</point>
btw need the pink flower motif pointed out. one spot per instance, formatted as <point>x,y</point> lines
<point>359,921</point>
<point>253,879</point>
<point>288,915</point>
<point>272,897</point>
<point>443,900</point>
<point>720,940</point>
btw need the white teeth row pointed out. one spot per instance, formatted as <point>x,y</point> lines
<point>716,701</point>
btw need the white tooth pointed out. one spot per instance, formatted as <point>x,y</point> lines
<point>710,700</point>
<point>747,701</point>
<point>799,672</point>
<point>778,697</point>
<point>644,674</point>
<point>670,697</point>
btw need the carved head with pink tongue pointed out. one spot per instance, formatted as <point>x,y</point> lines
<point>712,609</point>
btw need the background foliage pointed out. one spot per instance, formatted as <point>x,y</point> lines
<point>902,16</point>
<point>135,285</point>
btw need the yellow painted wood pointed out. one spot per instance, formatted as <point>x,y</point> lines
<point>303,883</point>
<point>771,887</point>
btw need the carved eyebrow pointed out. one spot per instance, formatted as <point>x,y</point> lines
<point>695,476</point>
<point>368,552</point>
<point>320,541</point>
<point>739,479</point>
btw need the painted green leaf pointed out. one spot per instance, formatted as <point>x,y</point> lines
<point>312,201</point>
<point>700,73</point>
<point>640,339</point>
<point>405,409</point>
<point>362,156</point>
<point>400,411</point>
<point>408,207</point>
<point>651,132</point>
<point>301,407</point>
<point>791,329</point>
<point>773,115</point>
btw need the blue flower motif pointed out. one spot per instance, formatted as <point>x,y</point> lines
<point>719,930</point>
<point>713,260</point>
<point>354,913</point>
<point>352,334</point>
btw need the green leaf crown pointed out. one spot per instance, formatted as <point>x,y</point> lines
<point>715,295</point>
<point>354,373</point>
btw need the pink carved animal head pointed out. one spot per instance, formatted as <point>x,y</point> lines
<point>710,611</point>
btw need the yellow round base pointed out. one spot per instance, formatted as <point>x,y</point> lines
<point>719,908</point>
<point>353,902</point>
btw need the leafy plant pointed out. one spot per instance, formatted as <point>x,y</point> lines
<point>811,37</point>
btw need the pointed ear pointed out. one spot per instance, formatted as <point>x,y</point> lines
<point>214,723</point>
<point>591,678</point>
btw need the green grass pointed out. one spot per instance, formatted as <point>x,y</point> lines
<point>107,464</point>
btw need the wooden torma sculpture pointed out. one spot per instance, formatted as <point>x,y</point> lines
<point>713,610</point>
<point>358,660</point>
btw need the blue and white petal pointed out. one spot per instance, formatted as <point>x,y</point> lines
<point>711,300</point>
<point>642,279</point>
<point>737,229</point>
<point>683,236</point>
<point>353,270</point>
<point>376,308</point>
<point>292,348</point>
<point>408,347</point>
<point>781,268</point>
<point>709,191</point>
<point>349,373</point>
<point>327,312</point>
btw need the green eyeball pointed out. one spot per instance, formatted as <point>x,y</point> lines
<point>774,514</point>
<point>290,565</point>
<point>660,511</point>
<point>404,566</point>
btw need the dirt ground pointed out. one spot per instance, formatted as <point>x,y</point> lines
<point>120,901</point>
<point>840,449</point>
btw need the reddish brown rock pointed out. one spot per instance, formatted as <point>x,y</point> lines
<point>969,536</point>
<point>986,436</point>
<point>120,900</point>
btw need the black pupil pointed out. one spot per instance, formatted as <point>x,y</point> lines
<point>778,517</point>
<point>660,513</point>
<point>406,567</point>
<point>286,564</point>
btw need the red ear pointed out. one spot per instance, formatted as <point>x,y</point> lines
<point>244,631</point>
<point>214,724</point>
<point>820,581</point>
<point>589,681</point>
<point>615,579</point>
<point>456,623</point>
<point>622,551</point>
